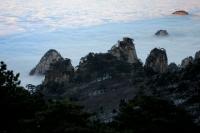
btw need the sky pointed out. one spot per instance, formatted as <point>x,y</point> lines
<point>18,16</point>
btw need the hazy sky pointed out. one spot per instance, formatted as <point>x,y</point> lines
<point>27,15</point>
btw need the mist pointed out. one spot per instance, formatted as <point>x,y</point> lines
<point>28,30</point>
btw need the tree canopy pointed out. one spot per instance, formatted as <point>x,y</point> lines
<point>23,111</point>
<point>146,114</point>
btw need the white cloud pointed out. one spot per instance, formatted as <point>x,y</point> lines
<point>33,14</point>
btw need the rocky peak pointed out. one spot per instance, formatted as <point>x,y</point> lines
<point>180,13</point>
<point>59,72</point>
<point>187,61</point>
<point>162,33</point>
<point>157,60</point>
<point>50,57</point>
<point>125,50</point>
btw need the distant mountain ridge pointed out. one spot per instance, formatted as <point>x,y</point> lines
<point>102,80</point>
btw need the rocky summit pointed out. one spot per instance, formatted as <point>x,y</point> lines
<point>162,33</point>
<point>157,60</point>
<point>43,66</point>
<point>125,50</point>
<point>180,13</point>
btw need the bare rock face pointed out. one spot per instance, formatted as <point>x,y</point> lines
<point>197,55</point>
<point>59,72</point>
<point>180,13</point>
<point>187,61</point>
<point>157,60</point>
<point>162,33</point>
<point>50,57</point>
<point>125,50</point>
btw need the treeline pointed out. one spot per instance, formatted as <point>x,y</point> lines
<point>104,66</point>
<point>22,111</point>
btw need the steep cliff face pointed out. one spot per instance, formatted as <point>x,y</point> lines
<point>50,57</point>
<point>59,72</point>
<point>57,78</point>
<point>125,50</point>
<point>157,60</point>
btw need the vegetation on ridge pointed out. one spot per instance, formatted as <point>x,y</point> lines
<point>25,112</point>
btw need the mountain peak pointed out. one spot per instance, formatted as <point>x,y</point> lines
<point>50,57</point>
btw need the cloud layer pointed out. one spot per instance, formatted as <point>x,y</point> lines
<point>29,15</point>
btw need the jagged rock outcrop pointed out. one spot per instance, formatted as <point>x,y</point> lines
<point>181,87</point>
<point>50,57</point>
<point>157,60</point>
<point>102,80</point>
<point>197,55</point>
<point>162,33</point>
<point>101,66</point>
<point>125,50</point>
<point>172,67</point>
<point>180,13</point>
<point>59,72</point>
<point>187,61</point>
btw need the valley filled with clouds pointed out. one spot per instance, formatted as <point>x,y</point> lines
<point>23,16</point>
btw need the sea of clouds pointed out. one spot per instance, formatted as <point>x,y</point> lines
<point>28,15</point>
<point>28,28</point>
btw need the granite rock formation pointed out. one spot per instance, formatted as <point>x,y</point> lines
<point>102,80</point>
<point>59,72</point>
<point>50,57</point>
<point>157,60</point>
<point>162,33</point>
<point>125,50</point>
<point>187,61</point>
<point>180,13</point>
<point>59,75</point>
